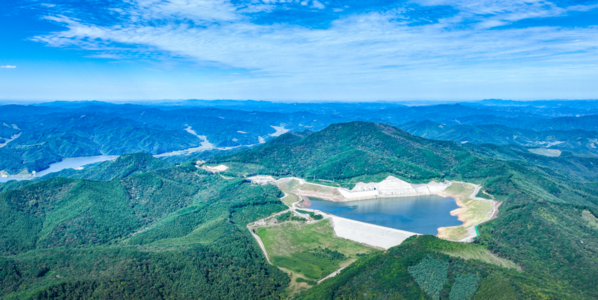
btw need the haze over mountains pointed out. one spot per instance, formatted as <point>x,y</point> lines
<point>34,136</point>
<point>141,227</point>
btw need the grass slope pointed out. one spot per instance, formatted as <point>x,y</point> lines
<point>420,269</point>
<point>297,246</point>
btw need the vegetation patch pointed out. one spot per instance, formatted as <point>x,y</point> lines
<point>310,250</point>
<point>419,269</point>
<point>430,274</point>
<point>465,286</point>
<point>311,214</point>
<point>592,220</point>
<point>477,252</point>
<point>288,216</point>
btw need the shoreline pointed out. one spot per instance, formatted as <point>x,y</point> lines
<point>464,212</point>
<point>472,210</point>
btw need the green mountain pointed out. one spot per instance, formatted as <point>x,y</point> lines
<point>424,267</point>
<point>546,222</point>
<point>57,137</point>
<point>355,151</point>
<point>167,234</point>
<point>574,140</point>
<point>147,229</point>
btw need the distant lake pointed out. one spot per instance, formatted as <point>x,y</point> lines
<point>67,163</point>
<point>421,214</point>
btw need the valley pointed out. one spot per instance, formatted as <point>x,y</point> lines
<point>319,213</point>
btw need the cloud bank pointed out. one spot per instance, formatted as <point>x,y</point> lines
<point>294,43</point>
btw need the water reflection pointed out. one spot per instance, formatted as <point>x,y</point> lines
<point>422,214</point>
<point>67,163</point>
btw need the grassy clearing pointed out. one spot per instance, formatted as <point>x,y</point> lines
<point>452,233</point>
<point>298,282</point>
<point>308,187</point>
<point>309,250</point>
<point>592,220</point>
<point>289,199</point>
<point>482,254</point>
<point>287,188</point>
<point>476,212</point>
<point>459,191</point>
<point>471,212</point>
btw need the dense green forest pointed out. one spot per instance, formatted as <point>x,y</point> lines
<point>142,228</point>
<point>574,140</point>
<point>424,267</point>
<point>176,233</point>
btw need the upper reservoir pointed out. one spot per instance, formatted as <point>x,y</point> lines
<point>67,163</point>
<point>421,214</point>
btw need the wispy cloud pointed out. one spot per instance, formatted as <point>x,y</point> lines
<point>8,67</point>
<point>357,48</point>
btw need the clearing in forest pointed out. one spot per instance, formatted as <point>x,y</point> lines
<point>309,251</point>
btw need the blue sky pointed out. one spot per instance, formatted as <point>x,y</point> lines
<point>298,49</point>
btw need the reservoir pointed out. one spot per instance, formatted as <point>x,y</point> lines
<point>421,214</point>
<point>67,163</point>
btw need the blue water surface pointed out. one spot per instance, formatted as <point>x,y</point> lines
<point>421,214</point>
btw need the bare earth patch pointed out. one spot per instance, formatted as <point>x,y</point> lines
<point>546,152</point>
<point>215,169</point>
<point>472,211</point>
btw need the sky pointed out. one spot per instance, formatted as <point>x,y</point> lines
<point>298,50</point>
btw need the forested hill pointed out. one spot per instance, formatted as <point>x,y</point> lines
<point>546,224</point>
<point>174,233</point>
<point>574,140</point>
<point>349,151</point>
<point>143,228</point>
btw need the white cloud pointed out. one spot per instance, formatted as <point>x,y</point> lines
<point>359,50</point>
<point>8,67</point>
<point>318,4</point>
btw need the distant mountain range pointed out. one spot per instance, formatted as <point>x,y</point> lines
<point>573,140</point>
<point>139,227</point>
<point>34,136</point>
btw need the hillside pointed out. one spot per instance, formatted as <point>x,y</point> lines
<point>55,137</point>
<point>124,166</point>
<point>53,131</point>
<point>149,229</point>
<point>358,150</point>
<point>166,234</point>
<point>427,268</point>
<point>540,224</point>
<point>574,140</point>
<point>49,134</point>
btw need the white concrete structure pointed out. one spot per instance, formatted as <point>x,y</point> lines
<point>374,235</point>
<point>391,187</point>
<point>260,179</point>
<point>215,169</point>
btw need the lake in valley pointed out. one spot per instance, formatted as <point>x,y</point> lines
<point>67,163</point>
<point>421,214</point>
